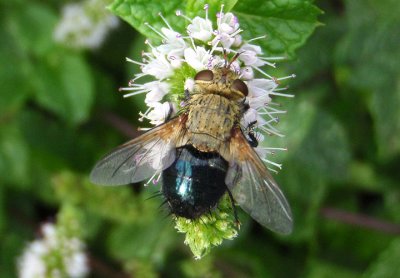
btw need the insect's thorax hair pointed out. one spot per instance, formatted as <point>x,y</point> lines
<point>214,109</point>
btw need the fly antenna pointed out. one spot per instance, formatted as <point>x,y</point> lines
<point>226,65</point>
<point>234,58</point>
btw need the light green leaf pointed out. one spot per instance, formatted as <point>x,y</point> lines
<point>33,27</point>
<point>114,203</point>
<point>387,264</point>
<point>64,85</point>
<point>287,23</point>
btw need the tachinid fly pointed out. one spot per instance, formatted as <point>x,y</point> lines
<point>201,154</point>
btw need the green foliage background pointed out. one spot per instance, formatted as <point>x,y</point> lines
<point>60,111</point>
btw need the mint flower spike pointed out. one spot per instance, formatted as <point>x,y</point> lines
<point>55,254</point>
<point>173,63</point>
<point>209,230</point>
<point>85,25</point>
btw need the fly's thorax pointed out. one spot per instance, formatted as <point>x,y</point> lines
<point>215,106</point>
<point>211,118</point>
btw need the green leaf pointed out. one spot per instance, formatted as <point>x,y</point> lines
<point>11,248</point>
<point>317,153</point>
<point>294,128</point>
<point>370,53</point>
<point>138,12</point>
<point>14,72</point>
<point>325,151</point>
<point>287,23</point>
<point>148,240</point>
<point>327,270</point>
<point>64,85</point>
<point>115,203</point>
<point>195,7</point>
<point>33,27</point>
<point>305,193</point>
<point>14,156</point>
<point>387,264</point>
<point>3,212</point>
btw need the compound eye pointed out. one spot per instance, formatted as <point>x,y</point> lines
<point>204,75</point>
<point>240,86</point>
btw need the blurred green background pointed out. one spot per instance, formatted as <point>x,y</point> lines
<point>60,110</point>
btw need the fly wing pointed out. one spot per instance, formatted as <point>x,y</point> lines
<point>254,189</point>
<point>140,158</point>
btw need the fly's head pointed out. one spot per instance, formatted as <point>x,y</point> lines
<point>221,81</point>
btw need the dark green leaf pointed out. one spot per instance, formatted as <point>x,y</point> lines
<point>319,269</point>
<point>325,151</point>
<point>286,23</point>
<point>14,156</point>
<point>138,12</point>
<point>370,53</point>
<point>149,241</point>
<point>14,72</point>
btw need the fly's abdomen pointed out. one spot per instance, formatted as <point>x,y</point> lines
<point>194,183</point>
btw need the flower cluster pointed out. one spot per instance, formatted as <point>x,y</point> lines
<point>54,255</point>
<point>206,232</point>
<point>175,61</point>
<point>85,24</point>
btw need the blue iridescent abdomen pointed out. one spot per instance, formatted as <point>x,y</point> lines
<point>195,182</point>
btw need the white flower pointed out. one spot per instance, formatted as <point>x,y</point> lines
<point>227,23</point>
<point>159,113</point>
<point>250,55</point>
<point>200,29</point>
<point>238,41</point>
<point>261,87</point>
<point>197,58</point>
<point>156,91</point>
<point>247,73</point>
<point>226,40</point>
<point>31,264</point>
<point>54,253</point>
<point>189,84</point>
<point>250,116</point>
<point>207,48</point>
<point>85,24</point>
<point>158,67</point>
<point>259,92</point>
<point>174,44</point>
